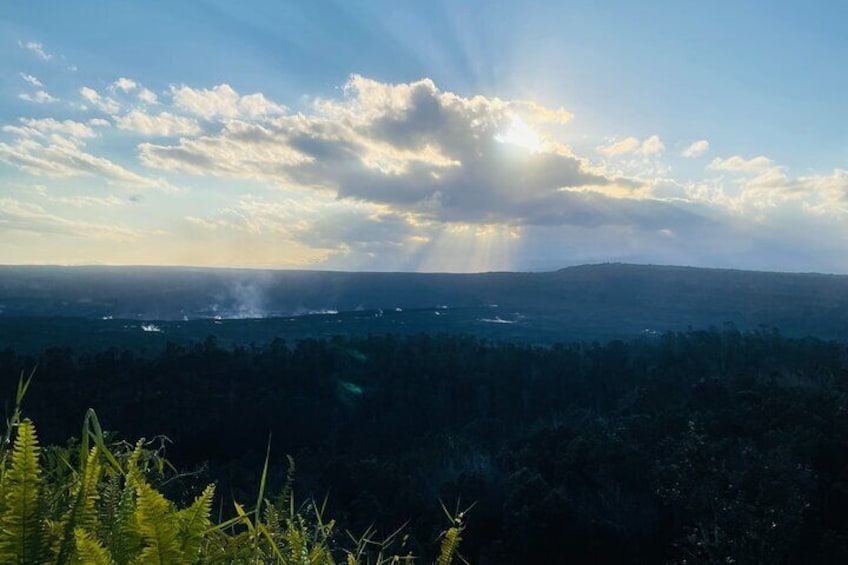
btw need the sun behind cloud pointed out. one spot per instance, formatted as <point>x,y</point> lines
<point>520,134</point>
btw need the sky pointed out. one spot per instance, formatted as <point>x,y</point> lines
<point>445,135</point>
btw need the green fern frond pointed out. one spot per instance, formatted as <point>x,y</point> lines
<point>296,541</point>
<point>21,528</point>
<point>89,550</point>
<point>157,524</point>
<point>118,523</point>
<point>83,510</point>
<point>285,497</point>
<point>194,522</point>
<point>273,519</point>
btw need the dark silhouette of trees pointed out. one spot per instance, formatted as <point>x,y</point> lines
<point>697,446</point>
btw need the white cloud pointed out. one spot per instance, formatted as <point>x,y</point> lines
<point>164,124</point>
<point>123,84</point>
<point>43,127</point>
<point>16,215</point>
<point>418,150</point>
<point>36,48</point>
<point>774,186</point>
<point>739,164</point>
<point>31,80</point>
<point>325,228</point>
<point>653,145</point>
<point>223,101</point>
<point>697,149</point>
<point>87,201</point>
<point>39,97</point>
<point>60,157</point>
<point>622,147</point>
<point>147,96</point>
<point>104,104</point>
<point>89,94</point>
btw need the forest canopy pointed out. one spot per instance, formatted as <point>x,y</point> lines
<point>686,446</point>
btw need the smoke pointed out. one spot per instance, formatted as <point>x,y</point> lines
<point>249,301</point>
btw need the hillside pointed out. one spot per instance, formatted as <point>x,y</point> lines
<point>587,302</point>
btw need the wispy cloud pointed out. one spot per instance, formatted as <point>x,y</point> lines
<point>31,80</point>
<point>63,157</point>
<point>696,149</point>
<point>775,186</point>
<point>123,84</point>
<point>38,97</point>
<point>37,48</point>
<point>87,201</point>
<point>44,127</point>
<point>740,164</point>
<point>102,103</point>
<point>16,215</point>
<point>147,96</point>
<point>652,145</point>
<point>223,101</point>
<point>163,124</point>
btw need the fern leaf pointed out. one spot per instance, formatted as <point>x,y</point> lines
<point>194,522</point>
<point>89,550</point>
<point>21,525</point>
<point>157,524</point>
<point>119,527</point>
<point>83,510</point>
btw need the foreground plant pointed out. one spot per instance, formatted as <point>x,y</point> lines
<point>96,505</point>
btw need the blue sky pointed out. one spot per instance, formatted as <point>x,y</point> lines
<point>457,136</point>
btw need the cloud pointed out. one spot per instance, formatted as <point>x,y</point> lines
<point>104,104</point>
<point>31,80</point>
<point>418,150</point>
<point>61,157</point>
<point>44,127</point>
<point>623,147</point>
<point>16,215</point>
<point>123,84</point>
<point>697,149</point>
<point>147,96</point>
<point>774,186</point>
<point>86,201</point>
<point>223,101</point>
<point>337,233</point>
<point>739,164</point>
<point>653,145</point>
<point>393,176</point>
<point>39,97</point>
<point>89,94</point>
<point>163,124</point>
<point>37,48</point>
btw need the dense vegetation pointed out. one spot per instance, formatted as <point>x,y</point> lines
<point>97,505</point>
<point>701,447</point>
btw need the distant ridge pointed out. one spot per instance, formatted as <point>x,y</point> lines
<point>602,299</point>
